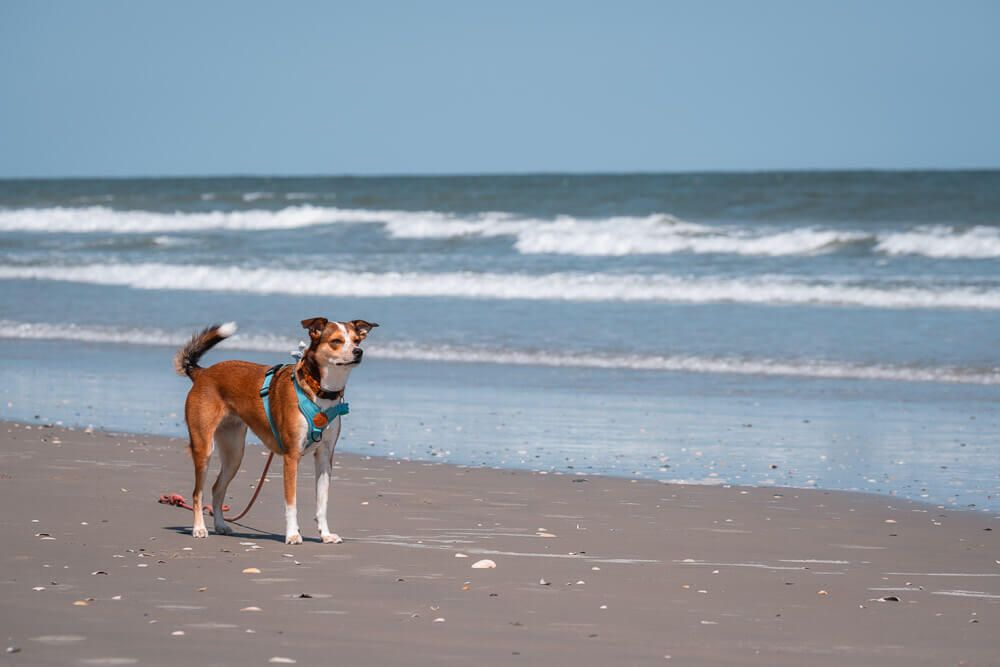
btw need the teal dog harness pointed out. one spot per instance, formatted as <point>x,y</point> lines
<point>316,417</point>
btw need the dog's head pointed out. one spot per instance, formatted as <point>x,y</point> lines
<point>335,345</point>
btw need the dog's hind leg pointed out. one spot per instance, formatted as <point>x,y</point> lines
<point>202,418</point>
<point>230,439</point>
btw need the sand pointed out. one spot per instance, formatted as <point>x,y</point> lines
<point>589,570</point>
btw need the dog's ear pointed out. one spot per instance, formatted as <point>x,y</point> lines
<point>363,327</point>
<point>315,326</point>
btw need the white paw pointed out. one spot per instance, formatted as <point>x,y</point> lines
<point>294,538</point>
<point>223,530</point>
<point>332,538</point>
<point>199,531</point>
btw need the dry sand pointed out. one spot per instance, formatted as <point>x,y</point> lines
<point>95,572</point>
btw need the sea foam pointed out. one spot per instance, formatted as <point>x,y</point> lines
<point>655,234</point>
<point>820,369</point>
<point>564,286</point>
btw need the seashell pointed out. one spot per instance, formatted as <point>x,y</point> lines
<point>251,570</point>
<point>485,564</point>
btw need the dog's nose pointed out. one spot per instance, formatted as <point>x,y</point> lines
<point>358,352</point>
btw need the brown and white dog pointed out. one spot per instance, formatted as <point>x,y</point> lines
<point>225,400</point>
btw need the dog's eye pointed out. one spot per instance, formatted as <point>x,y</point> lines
<point>336,341</point>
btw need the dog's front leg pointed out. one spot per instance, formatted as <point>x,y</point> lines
<point>292,534</point>
<point>324,464</point>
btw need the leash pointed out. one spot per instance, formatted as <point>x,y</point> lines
<point>178,500</point>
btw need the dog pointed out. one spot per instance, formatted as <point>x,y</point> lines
<point>225,399</point>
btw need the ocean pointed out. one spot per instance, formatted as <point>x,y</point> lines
<point>831,329</point>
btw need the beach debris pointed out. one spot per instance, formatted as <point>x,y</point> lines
<point>543,534</point>
<point>485,564</point>
<point>13,649</point>
<point>81,603</point>
<point>461,556</point>
<point>890,521</point>
<point>581,582</point>
<point>304,596</point>
<point>542,582</point>
<point>439,619</point>
<point>596,569</point>
<point>279,660</point>
<point>603,606</point>
<point>38,588</point>
<point>96,572</point>
<point>822,593</point>
<point>887,598</point>
<point>177,633</point>
<point>251,609</point>
<point>116,597</point>
<point>251,570</point>
<point>467,585</point>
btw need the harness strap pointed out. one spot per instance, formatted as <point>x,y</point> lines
<point>265,391</point>
<point>317,419</point>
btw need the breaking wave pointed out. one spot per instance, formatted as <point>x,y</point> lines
<point>656,234</point>
<point>566,286</point>
<point>941,242</point>
<point>819,369</point>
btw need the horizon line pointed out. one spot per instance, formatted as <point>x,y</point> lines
<point>494,174</point>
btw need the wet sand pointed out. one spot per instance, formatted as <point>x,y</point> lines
<point>589,570</point>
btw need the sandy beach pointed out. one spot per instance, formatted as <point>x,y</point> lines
<point>589,570</point>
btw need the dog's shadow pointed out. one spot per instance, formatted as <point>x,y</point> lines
<point>257,535</point>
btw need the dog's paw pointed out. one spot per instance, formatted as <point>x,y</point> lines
<point>223,530</point>
<point>294,538</point>
<point>200,531</point>
<point>332,538</point>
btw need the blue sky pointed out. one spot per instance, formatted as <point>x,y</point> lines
<point>172,88</point>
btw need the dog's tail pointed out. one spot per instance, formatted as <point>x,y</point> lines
<point>186,359</point>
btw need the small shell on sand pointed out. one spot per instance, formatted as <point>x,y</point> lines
<point>439,619</point>
<point>250,609</point>
<point>485,564</point>
<point>81,603</point>
<point>461,556</point>
<point>281,661</point>
<point>251,570</point>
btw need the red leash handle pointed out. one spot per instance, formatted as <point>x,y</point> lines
<point>177,500</point>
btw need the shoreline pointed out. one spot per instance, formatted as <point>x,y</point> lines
<point>589,572</point>
<point>257,447</point>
